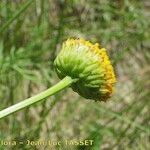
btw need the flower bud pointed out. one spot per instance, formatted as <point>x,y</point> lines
<point>90,65</point>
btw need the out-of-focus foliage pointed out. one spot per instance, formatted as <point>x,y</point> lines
<point>31,33</point>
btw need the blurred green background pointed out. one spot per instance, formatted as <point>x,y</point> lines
<point>31,34</point>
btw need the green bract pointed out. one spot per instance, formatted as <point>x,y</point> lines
<point>78,61</point>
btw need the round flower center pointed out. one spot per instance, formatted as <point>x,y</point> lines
<point>90,64</point>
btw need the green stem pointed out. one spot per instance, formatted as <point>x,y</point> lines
<point>67,81</point>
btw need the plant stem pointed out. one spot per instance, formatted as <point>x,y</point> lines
<point>67,81</point>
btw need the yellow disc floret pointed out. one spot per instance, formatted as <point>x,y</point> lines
<point>90,64</point>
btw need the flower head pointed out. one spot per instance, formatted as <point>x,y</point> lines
<point>90,64</point>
